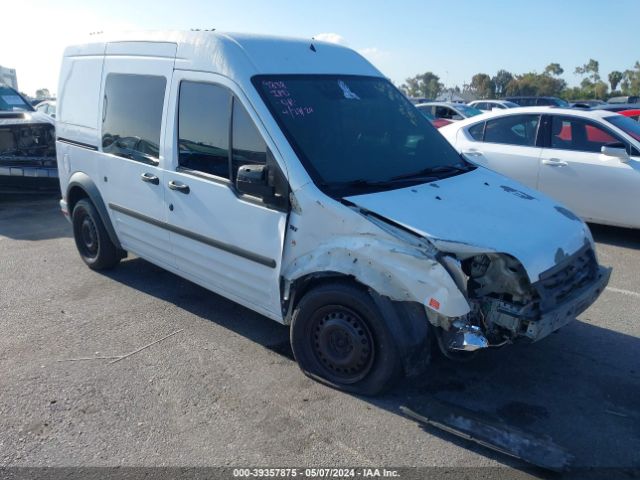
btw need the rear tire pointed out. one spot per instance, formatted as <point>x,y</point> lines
<point>94,245</point>
<point>340,338</point>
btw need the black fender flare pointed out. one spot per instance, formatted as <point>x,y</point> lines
<point>411,331</point>
<point>84,182</point>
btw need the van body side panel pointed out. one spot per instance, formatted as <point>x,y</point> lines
<point>137,207</point>
<point>78,113</point>
<point>220,240</point>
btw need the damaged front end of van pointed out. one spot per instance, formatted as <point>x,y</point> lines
<point>515,267</point>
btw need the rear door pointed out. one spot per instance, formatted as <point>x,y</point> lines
<point>597,187</point>
<point>134,99</point>
<point>507,145</point>
<point>225,241</point>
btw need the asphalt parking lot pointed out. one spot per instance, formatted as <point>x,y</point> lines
<point>224,390</point>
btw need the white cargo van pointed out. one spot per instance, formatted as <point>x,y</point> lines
<point>292,177</point>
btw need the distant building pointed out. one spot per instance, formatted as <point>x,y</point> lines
<point>452,95</point>
<point>8,77</point>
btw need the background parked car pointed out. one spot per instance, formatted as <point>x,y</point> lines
<point>625,99</point>
<point>587,103</point>
<point>587,159</point>
<point>538,101</point>
<point>448,111</point>
<point>436,122</point>
<point>27,144</point>
<point>633,114</point>
<point>48,107</point>
<point>619,107</point>
<point>488,105</point>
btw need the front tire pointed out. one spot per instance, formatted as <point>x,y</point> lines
<point>340,338</point>
<point>94,245</point>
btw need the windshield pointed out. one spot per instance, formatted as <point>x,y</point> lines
<point>627,125</point>
<point>10,101</point>
<point>468,111</point>
<point>561,103</point>
<point>355,132</point>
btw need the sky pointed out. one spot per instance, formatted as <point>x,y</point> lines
<point>453,38</point>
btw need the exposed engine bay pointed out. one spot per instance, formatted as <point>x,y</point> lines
<point>506,306</point>
<point>24,142</point>
<point>27,152</point>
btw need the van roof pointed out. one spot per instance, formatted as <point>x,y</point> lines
<point>235,55</point>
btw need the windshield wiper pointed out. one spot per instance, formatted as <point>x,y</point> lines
<point>435,172</point>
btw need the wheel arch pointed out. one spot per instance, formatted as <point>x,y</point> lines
<point>407,320</point>
<point>82,186</point>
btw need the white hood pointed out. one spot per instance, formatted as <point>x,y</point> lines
<point>482,211</point>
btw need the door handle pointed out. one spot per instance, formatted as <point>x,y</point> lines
<point>179,187</point>
<point>473,153</point>
<point>150,178</point>
<point>554,162</point>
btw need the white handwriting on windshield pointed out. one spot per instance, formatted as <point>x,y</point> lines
<point>280,93</point>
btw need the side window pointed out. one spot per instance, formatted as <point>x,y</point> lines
<point>203,128</point>
<point>571,133</point>
<point>443,112</point>
<point>132,116</point>
<point>249,148</point>
<point>513,130</point>
<point>476,131</point>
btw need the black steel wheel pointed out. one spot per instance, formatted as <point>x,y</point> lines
<point>342,343</point>
<point>340,338</point>
<point>92,240</point>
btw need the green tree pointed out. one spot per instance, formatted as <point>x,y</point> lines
<point>615,78</point>
<point>592,85</point>
<point>591,70</point>
<point>482,86</point>
<point>554,69</point>
<point>426,85</point>
<point>500,82</point>
<point>630,83</point>
<point>536,84</point>
<point>42,93</point>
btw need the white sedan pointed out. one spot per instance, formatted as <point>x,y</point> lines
<point>587,159</point>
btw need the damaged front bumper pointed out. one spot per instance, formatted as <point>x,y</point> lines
<point>562,314</point>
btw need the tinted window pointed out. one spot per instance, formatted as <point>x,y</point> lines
<point>570,133</point>
<point>445,112</point>
<point>248,145</point>
<point>132,116</point>
<point>203,128</point>
<point>350,131</point>
<point>467,111</point>
<point>11,101</point>
<point>513,130</point>
<point>476,131</point>
<point>626,124</point>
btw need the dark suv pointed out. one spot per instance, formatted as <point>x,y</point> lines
<point>538,101</point>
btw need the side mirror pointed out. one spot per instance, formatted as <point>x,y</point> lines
<point>616,150</point>
<point>254,180</point>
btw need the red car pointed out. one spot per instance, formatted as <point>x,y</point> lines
<point>436,122</point>
<point>633,114</point>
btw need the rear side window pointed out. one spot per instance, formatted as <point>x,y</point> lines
<point>476,131</point>
<point>513,130</point>
<point>249,148</point>
<point>571,133</point>
<point>203,128</point>
<point>132,116</point>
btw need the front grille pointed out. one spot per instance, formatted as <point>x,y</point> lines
<point>560,283</point>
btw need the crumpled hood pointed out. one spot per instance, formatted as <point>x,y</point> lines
<point>482,211</point>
